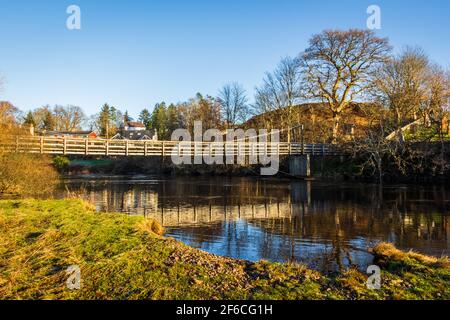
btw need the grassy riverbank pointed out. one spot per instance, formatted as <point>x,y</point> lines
<point>124,257</point>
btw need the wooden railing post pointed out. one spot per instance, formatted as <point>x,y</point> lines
<point>302,127</point>
<point>41,147</point>
<point>163,148</point>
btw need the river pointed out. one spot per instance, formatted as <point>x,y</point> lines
<point>326,226</point>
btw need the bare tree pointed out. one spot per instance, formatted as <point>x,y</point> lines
<point>262,105</point>
<point>8,113</point>
<point>402,85</point>
<point>200,108</point>
<point>438,106</point>
<point>233,102</point>
<point>338,67</point>
<point>416,94</point>
<point>280,91</point>
<point>68,118</point>
<point>372,146</point>
<point>40,114</point>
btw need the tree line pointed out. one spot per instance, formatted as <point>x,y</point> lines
<point>338,70</point>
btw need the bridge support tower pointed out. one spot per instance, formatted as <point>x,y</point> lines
<point>300,166</point>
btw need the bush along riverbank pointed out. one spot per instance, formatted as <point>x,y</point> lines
<point>123,257</point>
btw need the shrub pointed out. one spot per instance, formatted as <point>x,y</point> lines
<point>61,163</point>
<point>26,174</point>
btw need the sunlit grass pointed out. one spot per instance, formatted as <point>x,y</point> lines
<point>123,257</point>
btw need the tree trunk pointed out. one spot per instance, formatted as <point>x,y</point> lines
<point>380,169</point>
<point>441,137</point>
<point>336,122</point>
<point>399,134</point>
<point>289,134</point>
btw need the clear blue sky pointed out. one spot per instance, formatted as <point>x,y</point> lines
<point>133,54</point>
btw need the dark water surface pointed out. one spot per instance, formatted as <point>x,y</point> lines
<point>326,226</point>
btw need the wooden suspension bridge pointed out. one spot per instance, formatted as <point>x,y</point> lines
<point>107,147</point>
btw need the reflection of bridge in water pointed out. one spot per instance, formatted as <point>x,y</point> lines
<point>283,220</point>
<point>206,210</point>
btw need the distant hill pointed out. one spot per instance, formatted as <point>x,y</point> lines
<point>317,120</point>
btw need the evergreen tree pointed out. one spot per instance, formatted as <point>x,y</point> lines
<point>108,120</point>
<point>146,118</point>
<point>104,120</point>
<point>173,119</point>
<point>127,117</point>
<point>29,119</point>
<point>48,122</point>
<point>159,120</point>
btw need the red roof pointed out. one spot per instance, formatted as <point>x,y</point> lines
<point>135,124</point>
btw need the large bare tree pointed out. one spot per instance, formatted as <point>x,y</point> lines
<point>64,118</point>
<point>402,85</point>
<point>68,118</point>
<point>338,67</point>
<point>233,103</point>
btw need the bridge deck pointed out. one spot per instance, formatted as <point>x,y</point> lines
<point>97,147</point>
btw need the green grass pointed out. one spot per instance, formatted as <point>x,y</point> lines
<point>426,134</point>
<point>121,257</point>
<point>90,162</point>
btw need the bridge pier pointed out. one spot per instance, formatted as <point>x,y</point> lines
<point>300,166</point>
<point>301,192</point>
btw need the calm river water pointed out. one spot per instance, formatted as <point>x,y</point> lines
<point>326,226</point>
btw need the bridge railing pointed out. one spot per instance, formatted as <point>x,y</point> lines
<point>77,146</point>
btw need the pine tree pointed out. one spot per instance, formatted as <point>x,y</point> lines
<point>173,119</point>
<point>127,117</point>
<point>159,120</point>
<point>29,119</point>
<point>104,120</point>
<point>146,118</point>
<point>48,123</point>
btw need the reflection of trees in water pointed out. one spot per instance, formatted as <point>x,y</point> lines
<point>288,213</point>
<point>409,222</point>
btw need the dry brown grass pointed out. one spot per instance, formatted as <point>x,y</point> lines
<point>387,251</point>
<point>26,174</point>
<point>150,225</point>
<point>22,173</point>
